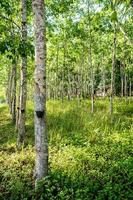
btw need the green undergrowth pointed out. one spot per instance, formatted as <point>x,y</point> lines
<point>90,155</point>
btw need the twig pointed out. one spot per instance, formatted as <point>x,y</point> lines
<point>6,18</point>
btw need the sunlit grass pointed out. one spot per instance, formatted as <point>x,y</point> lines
<point>90,155</point>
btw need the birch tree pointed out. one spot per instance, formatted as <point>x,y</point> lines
<point>23,86</point>
<point>14,82</point>
<point>41,141</point>
<point>113,70</point>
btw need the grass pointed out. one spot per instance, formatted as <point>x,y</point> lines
<point>90,155</point>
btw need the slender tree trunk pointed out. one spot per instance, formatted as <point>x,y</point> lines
<point>103,76</point>
<point>92,91</point>
<point>41,140</point>
<point>73,86</point>
<point>14,83</point>
<point>125,86</point>
<point>90,61</point>
<point>62,81</point>
<point>78,85</point>
<point>7,89</point>
<point>113,71</point>
<point>48,95</point>
<point>104,83</point>
<point>18,104</point>
<point>69,84</point>
<point>55,85</point>
<point>64,65</point>
<point>23,88</point>
<point>130,87</point>
<point>56,73</point>
<point>125,75</point>
<point>82,74</point>
<point>10,90</point>
<point>92,79</point>
<point>122,81</point>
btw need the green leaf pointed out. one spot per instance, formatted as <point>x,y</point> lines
<point>114,16</point>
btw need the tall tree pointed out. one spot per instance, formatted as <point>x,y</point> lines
<point>113,70</point>
<point>90,60</point>
<point>41,141</point>
<point>23,86</point>
<point>14,82</point>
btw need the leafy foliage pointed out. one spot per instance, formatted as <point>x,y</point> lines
<point>89,159</point>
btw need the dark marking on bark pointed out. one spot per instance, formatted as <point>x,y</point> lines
<point>22,111</point>
<point>18,108</point>
<point>24,23</point>
<point>40,114</point>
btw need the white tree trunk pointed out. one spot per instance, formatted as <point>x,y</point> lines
<point>122,80</point>
<point>90,61</point>
<point>14,82</point>
<point>41,141</point>
<point>125,88</point>
<point>113,71</point>
<point>18,104</point>
<point>8,87</point>
<point>10,90</point>
<point>92,77</point>
<point>23,87</point>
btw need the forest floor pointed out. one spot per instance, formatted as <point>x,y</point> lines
<point>90,155</point>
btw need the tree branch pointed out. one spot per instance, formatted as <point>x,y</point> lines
<point>8,19</point>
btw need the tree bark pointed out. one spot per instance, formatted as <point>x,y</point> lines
<point>23,87</point>
<point>7,89</point>
<point>122,80</point>
<point>14,82</point>
<point>125,86</point>
<point>92,77</point>
<point>90,61</point>
<point>10,90</point>
<point>113,71</point>
<point>104,83</point>
<point>130,87</point>
<point>18,104</point>
<point>125,75</point>
<point>41,140</point>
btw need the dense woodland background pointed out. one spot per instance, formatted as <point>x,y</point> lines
<point>86,50</point>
